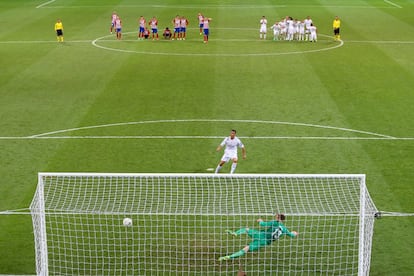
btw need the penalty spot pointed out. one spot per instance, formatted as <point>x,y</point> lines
<point>210,169</point>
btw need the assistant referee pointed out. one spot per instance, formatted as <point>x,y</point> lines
<point>336,26</point>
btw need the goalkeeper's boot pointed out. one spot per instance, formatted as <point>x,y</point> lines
<point>231,233</point>
<point>224,258</point>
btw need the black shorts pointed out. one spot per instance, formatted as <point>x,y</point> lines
<point>336,31</point>
<point>59,32</point>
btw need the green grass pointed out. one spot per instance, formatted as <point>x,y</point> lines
<point>364,85</point>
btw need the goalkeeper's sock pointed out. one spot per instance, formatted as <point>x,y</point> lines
<point>224,258</point>
<point>231,233</point>
<point>237,254</point>
<point>233,167</point>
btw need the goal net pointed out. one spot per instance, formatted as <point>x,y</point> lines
<point>179,222</point>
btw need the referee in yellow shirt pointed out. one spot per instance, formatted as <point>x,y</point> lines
<point>59,30</point>
<point>336,26</point>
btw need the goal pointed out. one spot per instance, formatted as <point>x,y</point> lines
<point>179,222</point>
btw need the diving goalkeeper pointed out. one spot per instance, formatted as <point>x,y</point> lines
<point>261,238</point>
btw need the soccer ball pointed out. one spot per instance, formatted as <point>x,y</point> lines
<point>127,222</point>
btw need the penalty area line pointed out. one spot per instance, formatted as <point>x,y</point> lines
<point>392,4</point>
<point>44,4</point>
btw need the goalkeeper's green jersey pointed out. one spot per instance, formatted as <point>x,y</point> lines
<point>275,230</point>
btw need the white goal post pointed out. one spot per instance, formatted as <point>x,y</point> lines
<point>179,222</point>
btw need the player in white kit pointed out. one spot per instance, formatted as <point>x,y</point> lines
<point>301,33</point>
<point>313,33</point>
<point>231,143</point>
<point>263,27</point>
<point>276,30</point>
<point>308,21</point>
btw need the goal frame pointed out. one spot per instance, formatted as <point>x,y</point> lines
<point>38,211</point>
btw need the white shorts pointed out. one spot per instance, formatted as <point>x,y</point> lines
<point>228,156</point>
<point>263,29</point>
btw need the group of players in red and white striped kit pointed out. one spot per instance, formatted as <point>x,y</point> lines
<point>179,32</point>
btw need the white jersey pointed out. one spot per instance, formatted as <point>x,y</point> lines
<point>313,36</point>
<point>301,27</point>
<point>307,22</point>
<point>231,146</point>
<point>283,28</point>
<point>291,26</point>
<point>276,29</point>
<point>263,25</point>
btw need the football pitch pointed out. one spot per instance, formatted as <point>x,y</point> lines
<point>97,104</point>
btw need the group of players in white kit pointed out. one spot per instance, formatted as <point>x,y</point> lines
<point>290,29</point>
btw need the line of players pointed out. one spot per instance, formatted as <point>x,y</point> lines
<point>180,28</point>
<point>290,29</point>
<point>180,24</point>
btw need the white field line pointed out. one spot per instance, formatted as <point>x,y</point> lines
<point>42,41</point>
<point>231,40</point>
<point>381,41</point>
<point>393,4</point>
<point>53,134</point>
<point>99,39</point>
<point>326,138</point>
<point>204,7</point>
<point>44,4</point>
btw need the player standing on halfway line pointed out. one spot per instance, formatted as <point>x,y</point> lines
<point>113,18</point>
<point>261,238</point>
<point>183,27</point>
<point>118,28</point>
<point>308,21</point>
<point>200,22</point>
<point>263,27</point>
<point>230,152</point>
<point>153,23</point>
<point>206,28</point>
<point>313,37</point>
<point>336,26</point>
<point>177,27</point>
<point>59,30</point>
<point>142,25</point>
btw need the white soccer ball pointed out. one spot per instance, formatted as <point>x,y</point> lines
<point>127,222</point>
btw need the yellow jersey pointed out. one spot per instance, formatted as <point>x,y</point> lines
<point>58,26</point>
<point>336,24</point>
